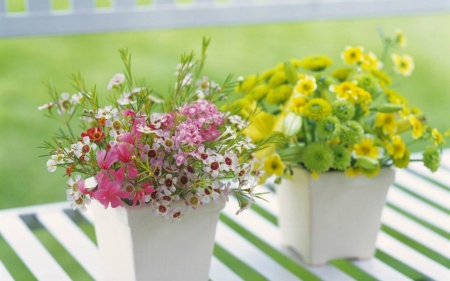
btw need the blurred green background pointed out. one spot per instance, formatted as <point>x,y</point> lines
<point>26,62</point>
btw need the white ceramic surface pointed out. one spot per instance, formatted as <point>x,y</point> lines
<point>135,245</point>
<point>333,217</point>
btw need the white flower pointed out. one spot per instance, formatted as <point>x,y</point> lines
<point>65,104</point>
<point>51,165</point>
<point>236,119</point>
<point>84,148</point>
<point>47,105</point>
<point>144,129</point>
<point>108,112</point>
<point>116,81</point>
<point>78,98</point>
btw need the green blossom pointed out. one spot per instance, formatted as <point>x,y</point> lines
<point>431,158</point>
<point>279,95</point>
<point>318,157</point>
<point>369,83</point>
<point>351,132</point>
<point>343,109</point>
<point>341,73</point>
<point>342,157</point>
<point>328,128</point>
<point>277,79</point>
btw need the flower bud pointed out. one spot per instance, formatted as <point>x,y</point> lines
<point>292,124</point>
<point>367,163</point>
<point>389,107</point>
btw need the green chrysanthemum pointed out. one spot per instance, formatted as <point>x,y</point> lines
<point>343,109</point>
<point>342,157</point>
<point>279,95</point>
<point>351,133</point>
<point>318,157</point>
<point>328,128</point>
<point>431,158</point>
<point>369,83</point>
<point>317,109</point>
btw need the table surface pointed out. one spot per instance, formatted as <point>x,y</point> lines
<point>413,243</point>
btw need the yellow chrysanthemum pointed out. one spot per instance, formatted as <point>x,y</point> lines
<point>417,126</point>
<point>306,86</point>
<point>400,38</point>
<point>344,90</point>
<point>273,165</point>
<point>315,63</point>
<point>437,137</point>
<point>396,148</point>
<point>352,55</point>
<point>395,97</point>
<point>296,103</point>
<point>317,109</point>
<point>363,98</point>
<point>246,84</point>
<point>382,77</point>
<point>278,78</point>
<point>370,62</point>
<point>403,65</point>
<point>387,123</point>
<point>366,148</point>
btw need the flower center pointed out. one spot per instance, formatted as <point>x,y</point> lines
<point>129,188</point>
<point>228,161</point>
<point>86,148</point>
<point>152,153</point>
<point>184,180</point>
<point>215,166</point>
<point>204,156</point>
<point>168,142</point>
<point>168,182</point>
<point>162,209</point>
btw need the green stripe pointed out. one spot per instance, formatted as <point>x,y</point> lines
<point>437,206</point>
<point>14,265</point>
<point>400,266</point>
<point>428,225</point>
<point>352,270</point>
<point>280,258</point>
<point>417,246</point>
<point>441,185</point>
<point>264,213</point>
<point>236,265</point>
<point>64,258</point>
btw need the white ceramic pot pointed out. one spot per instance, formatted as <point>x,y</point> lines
<point>135,245</point>
<point>333,217</point>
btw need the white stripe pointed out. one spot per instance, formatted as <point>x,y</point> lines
<point>445,158</point>
<point>419,208</point>
<point>4,274</point>
<point>416,231</point>
<point>30,250</point>
<point>271,205</point>
<point>423,188</point>
<point>271,235</point>
<point>220,272</point>
<point>380,270</point>
<point>74,240</point>
<point>249,254</point>
<point>442,175</point>
<point>412,258</point>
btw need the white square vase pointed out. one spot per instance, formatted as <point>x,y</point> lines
<point>136,245</point>
<point>333,217</point>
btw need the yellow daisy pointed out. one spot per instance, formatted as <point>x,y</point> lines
<point>417,126</point>
<point>296,103</point>
<point>387,123</point>
<point>396,148</point>
<point>400,38</point>
<point>437,137</point>
<point>306,86</point>
<point>273,165</point>
<point>352,55</point>
<point>403,65</point>
<point>343,90</point>
<point>370,62</point>
<point>366,148</point>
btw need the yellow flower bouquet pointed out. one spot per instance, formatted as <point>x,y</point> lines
<point>348,119</point>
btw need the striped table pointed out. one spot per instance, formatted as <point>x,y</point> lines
<point>413,243</point>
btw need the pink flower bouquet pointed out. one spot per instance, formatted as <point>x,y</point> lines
<point>146,149</point>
